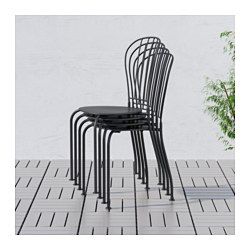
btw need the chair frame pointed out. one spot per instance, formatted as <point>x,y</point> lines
<point>153,58</point>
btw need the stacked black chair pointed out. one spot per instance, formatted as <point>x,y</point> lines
<point>147,65</point>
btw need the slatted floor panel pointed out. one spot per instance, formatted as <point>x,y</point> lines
<point>48,203</point>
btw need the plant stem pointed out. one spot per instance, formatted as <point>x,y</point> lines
<point>230,105</point>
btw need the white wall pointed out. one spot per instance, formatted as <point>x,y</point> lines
<point>63,62</point>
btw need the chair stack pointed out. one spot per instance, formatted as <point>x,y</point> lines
<point>147,66</point>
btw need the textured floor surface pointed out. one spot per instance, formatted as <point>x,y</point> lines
<point>48,203</point>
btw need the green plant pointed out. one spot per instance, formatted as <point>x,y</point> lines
<point>220,96</point>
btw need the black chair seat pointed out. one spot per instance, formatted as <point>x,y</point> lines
<point>109,110</point>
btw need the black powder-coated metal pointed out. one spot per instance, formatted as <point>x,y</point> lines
<point>80,152</point>
<point>95,156</point>
<point>83,158</point>
<point>99,162</point>
<point>104,166</point>
<point>71,145</point>
<point>108,170</point>
<point>75,147</point>
<point>147,66</point>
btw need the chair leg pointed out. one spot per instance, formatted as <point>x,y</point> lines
<point>108,171</point>
<point>158,158</point>
<point>80,152</point>
<point>75,148</point>
<point>71,145</point>
<point>163,165</point>
<point>167,168</point>
<point>138,155</point>
<point>138,161</point>
<point>95,156</point>
<point>83,157</point>
<point>99,163</point>
<point>134,151</point>
<point>104,166</point>
<point>142,157</point>
<point>145,160</point>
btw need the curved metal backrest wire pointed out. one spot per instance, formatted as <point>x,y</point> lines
<point>155,77</point>
<point>144,44</point>
<point>135,49</point>
<point>140,86</point>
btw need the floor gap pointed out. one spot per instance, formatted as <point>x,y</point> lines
<point>72,196</point>
<point>178,220</point>
<point>197,164</point>
<point>29,182</point>
<point>60,195</point>
<point>27,164</point>
<point>204,182</point>
<point>17,181</point>
<point>48,194</point>
<point>193,181</point>
<point>201,205</point>
<point>96,205</point>
<point>150,219</point>
<point>164,220</point>
<point>17,204</point>
<point>38,219</point>
<point>216,182</point>
<point>227,205</point>
<point>56,172</point>
<point>38,164</point>
<point>67,173</point>
<point>214,205</point>
<point>52,219</point>
<point>159,192</point>
<point>184,191</point>
<point>66,219</point>
<point>83,203</point>
<point>25,217</point>
<point>17,164</point>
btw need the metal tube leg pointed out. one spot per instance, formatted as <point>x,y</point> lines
<point>157,157</point>
<point>108,171</point>
<point>162,173</point>
<point>167,168</point>
<point>138,162</point>
<point>162,162</point>
<point>104,166</point>
<point>99,163</point>
<point>163,167</point>
<point>71,145</point>
<point>75,147</point>
<point>79,157</point>
<point>95,157</point>
<point>134,151</point>
<point>83,157</point>
<point>138,155</point>
<point>145,160</point>
<point>156,149</point>
<point>142,157</point>
<point>80,152</point>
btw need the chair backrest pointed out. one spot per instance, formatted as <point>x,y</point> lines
<point>147,66</point>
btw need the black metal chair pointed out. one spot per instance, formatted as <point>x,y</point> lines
<point>140,44</point>
<point>147,72</point>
